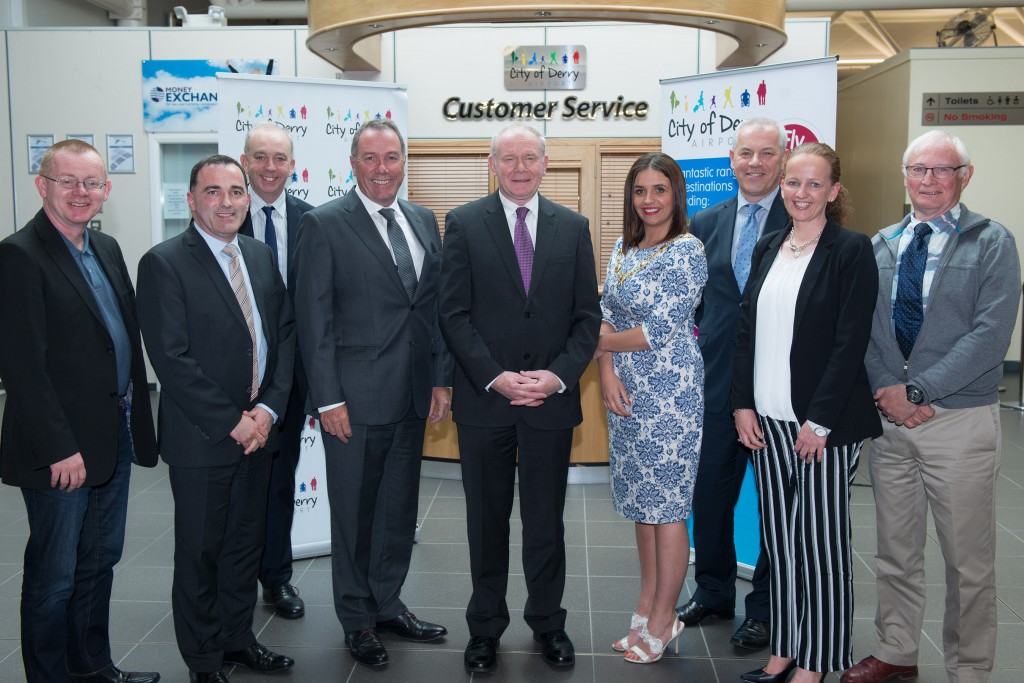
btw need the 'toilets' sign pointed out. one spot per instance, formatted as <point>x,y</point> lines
<point>545,67</point>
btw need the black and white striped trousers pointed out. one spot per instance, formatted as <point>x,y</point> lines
<point>805,529</point>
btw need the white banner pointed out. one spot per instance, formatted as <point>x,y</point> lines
<point>320,114</point>
<point>701,114</point>
<point>311,525</point>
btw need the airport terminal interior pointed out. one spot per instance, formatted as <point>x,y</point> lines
<point>601,587</point>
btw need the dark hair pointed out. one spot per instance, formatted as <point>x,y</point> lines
<point>377,124</point>
<point>839,209</point>
<point>632,226</point>
<point>215,160</point>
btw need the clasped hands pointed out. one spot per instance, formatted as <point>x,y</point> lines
<point>527,387</point>
<point>253,429</point>
<point>894,406</point>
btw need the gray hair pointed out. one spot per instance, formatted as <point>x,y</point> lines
<point>939,138</point>
<point>519,127</point>
<point>762,122</point>
<point>377,124</point>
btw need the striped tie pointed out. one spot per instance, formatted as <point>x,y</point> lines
<point>242,294</point>
<point>403,257</point>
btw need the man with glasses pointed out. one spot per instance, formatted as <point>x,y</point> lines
<point>949,283</point>
<point>366,304</point>
<point>77,416</point>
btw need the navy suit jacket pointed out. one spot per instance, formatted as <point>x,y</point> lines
<point>492,324</point>
<point>719,311</point>
<point>831,328</point>
<point>362,340</point>
<point>57,360</point>
<point>200,347</point>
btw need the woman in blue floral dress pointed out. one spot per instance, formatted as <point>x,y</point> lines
<point>652,383</point>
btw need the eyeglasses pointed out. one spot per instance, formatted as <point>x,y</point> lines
<point>938,172</point>
<point>65,183</point>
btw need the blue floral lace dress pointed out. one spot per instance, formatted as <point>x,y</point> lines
<point>654,453</point>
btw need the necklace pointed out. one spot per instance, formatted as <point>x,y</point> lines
<point>797,248</point>
<point>622,277</point>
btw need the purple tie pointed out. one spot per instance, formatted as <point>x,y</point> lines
<point>524,247</point>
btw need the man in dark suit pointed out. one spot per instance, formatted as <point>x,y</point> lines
<point>366,305</point>
<point>269,163</point>
<point>519,310</point>
<point>77,416</point>
<point>729,232</point>
<point>220,333</point>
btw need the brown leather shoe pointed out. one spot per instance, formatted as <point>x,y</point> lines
<point>873,670</point>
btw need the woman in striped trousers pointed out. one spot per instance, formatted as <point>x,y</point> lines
<point>803,405</point>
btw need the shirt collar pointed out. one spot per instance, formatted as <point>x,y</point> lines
<point>373,207</point>
<point>765,202</point>
<point>510,207</point>
<point>216,245</point>
<point>75,251</point>
<point>256,202</point>
<point>946,223</point>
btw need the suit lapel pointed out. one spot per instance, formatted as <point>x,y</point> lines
<point>208,262</point>
<point>109,264</point>
<point>497,226</point>
<point>547,237</point>
<point>260,284</point>
<point>818,259</point>
<point>57,250</point>
<point>294,216</point>
<point>427,238</point>
<point>725,229</point>
<point>363,227</point>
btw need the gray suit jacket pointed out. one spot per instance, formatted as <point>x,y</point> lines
<point>362,340</point>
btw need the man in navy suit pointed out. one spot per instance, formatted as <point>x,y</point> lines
<point>756,161</point>
<point>366,306</point>
<point>77,416</point>
<point>273,218</point>
<point>220,333</point>
<point>519,310</point>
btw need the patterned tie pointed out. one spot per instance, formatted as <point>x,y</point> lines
<point>908,311</point>
<point>403,257</point>
<point>269,234</point>
<point>242,294</point>
<point>745,248</point>
<point>524,247</point>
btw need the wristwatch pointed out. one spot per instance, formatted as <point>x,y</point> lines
<point>915,395</point>
<point>818,429</point>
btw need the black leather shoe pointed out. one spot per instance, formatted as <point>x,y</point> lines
<point>751,635</point>
<point>761,676</point>
<point>114,675</point>
<point>692,613</point>
<point>408,626</point>
<point>556,648</point>
<point>287,602</point>
<point>481,654</point>
<point>259,658</point>
<point>214,677</point>
<point>366,648</point>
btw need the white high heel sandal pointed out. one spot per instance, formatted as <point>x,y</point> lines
<point>657,647</point>
<point>635,622</point>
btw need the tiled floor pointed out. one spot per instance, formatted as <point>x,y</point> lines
<point>600,594</point>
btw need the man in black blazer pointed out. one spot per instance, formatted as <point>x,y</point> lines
<point>366,305</point>
<point>522,322</point>
<point>220,333</point>
<point>269,162</point>
<point>77,415</point>
<point>756,161</point>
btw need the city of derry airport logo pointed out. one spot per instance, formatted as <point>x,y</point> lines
<point>545,67</point>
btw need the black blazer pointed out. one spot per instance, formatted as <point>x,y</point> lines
<point>362,340</point>
<point>831,329</point>
<point>491,324</point>
<point>294,207</point>
<point>719,311</point>
<point>200,347</point>
<point>57,360</point>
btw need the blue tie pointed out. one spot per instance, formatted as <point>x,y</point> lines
<point>908,311</point>
<point>745,248</point>
<point>270,235</point>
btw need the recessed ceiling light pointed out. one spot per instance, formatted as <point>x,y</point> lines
<point>376,25</point>
<point>543,13</point>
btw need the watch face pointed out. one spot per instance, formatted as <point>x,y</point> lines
<point>915,395</point>
<point>820,431</point>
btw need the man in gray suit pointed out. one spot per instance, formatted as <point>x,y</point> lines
<point>366,304</point>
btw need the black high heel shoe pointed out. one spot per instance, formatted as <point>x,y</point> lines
<point>760,676</point>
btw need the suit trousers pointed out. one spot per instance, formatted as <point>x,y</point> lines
<point>373,483</point>
<point>488,476</point>
<point>276,563</point>
<point>805,525</point>
<point>949,463</point>
<point>723,464</point>
<point>219,516</point>
<point>75,539</point>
